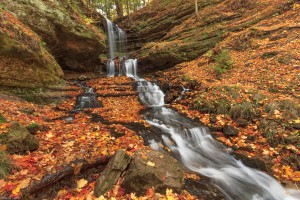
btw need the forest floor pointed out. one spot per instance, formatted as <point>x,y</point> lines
<point>92,134</point>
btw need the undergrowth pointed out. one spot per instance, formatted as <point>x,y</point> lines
<point>5,165</point>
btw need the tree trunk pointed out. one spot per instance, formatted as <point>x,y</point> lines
<point>119,8</point>
<point>196,9</point>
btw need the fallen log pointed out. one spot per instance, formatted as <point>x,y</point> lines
<point>66,171</point>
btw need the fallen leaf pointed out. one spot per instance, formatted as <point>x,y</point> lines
<point>151,164</point>
<point>81,183</point>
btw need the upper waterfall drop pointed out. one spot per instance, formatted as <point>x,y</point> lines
<point>117,63</point>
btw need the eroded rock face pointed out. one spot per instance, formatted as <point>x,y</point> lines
<point>71,42</point>
<point>19,140</point>
<point>24,62</point>
<point>150,168</point>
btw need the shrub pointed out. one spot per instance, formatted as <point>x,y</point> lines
<point>5,165</point>
<point>2,119</point>
<point>222,62</point>
<point>244,110</point>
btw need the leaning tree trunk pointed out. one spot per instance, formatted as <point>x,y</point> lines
<point>196,8</point>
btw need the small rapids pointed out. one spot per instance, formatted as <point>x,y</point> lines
<point>194,146</point>
<point>201,153</point>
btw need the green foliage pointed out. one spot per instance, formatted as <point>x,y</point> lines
<point>244,110</point>
<point>5,165</point>
<point>2,119</point>
<point>187,79</point>
<point>222,62</point>
<point>33,125</point>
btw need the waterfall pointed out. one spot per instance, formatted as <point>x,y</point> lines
<point>131,67</point>
<point>201,153</point>
<point>111,39</point>
<point>117,40</point>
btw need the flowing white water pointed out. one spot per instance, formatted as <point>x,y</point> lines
<point>131,67</point>
<point>110,68</point>
<point>117,40</point>
<point>111,38</point>
<point>201,153</point>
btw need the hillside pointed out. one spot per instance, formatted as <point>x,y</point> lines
<point>240,62</point>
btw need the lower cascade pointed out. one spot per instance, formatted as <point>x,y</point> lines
<point>196,148</point>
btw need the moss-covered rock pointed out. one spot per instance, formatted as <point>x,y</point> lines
<point>24,62</point>
<point>64,29</point>
<point>19,139</point>
<point>153,169</point>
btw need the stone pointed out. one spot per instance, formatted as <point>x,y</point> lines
<point>156,169</point>
<point>111,173</point>
<point>19,140</point>
<point>242,122</point>
<point>82,78</point>
<point>230,131</point>
<point>254,162</point>
<point>34,128</point>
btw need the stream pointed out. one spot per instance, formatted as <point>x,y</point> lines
<point>194,145</point>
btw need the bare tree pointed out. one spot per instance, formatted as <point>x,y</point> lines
<point>196,9</point>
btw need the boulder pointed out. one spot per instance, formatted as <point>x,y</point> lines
<point>19,140</point>
<point>22,51</point>
<point>64,29</point>
<point>111,173</point>
<point>242,122</point>
<point>156,169</point>
<point>230,131</point>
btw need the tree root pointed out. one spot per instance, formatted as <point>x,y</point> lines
<point>71,168</point>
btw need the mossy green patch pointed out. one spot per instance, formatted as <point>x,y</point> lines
<point>5,165</point>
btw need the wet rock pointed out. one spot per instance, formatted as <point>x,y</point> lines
<point>155,169</point>
<point>213,119</point>
<point>88,100</point>
<point>254,162</point>
<point>203,189</point>
<point>242,122</point>
<point>19,139</point>
<point>82,78</point>
<point>111,173</point>
<point>230,131</point>
<point>170,96</point>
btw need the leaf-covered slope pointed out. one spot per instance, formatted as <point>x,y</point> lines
<point>167,32</point>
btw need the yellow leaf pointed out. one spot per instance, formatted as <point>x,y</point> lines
<point>16,191</point>
<point>24,183</point>
<point>24,172</point>
<point>81,183</point>
<point>151,164</point>
<point>49,135</point>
